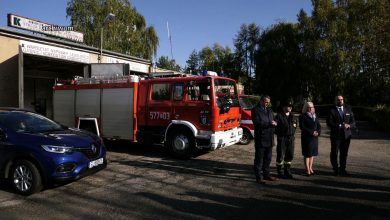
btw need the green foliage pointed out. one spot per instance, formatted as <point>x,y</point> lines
<point>165,63</point>
<point>246,43</point>
<point>215,59</point>
<point>341,48</point>
<point>279,63</point>
<point>379,116</point>
<point>127,33</point>
<point>346,46</point>
<point>193,65</point>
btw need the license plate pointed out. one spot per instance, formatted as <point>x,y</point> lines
<point>95,163</point>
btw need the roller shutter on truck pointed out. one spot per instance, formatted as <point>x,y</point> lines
<point>63,105</point>
<point>117,113</point>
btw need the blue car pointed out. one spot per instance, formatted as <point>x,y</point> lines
<point>35,151</point>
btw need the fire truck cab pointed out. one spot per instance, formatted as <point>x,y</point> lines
<point>247,102</point>
<point>184,113</point>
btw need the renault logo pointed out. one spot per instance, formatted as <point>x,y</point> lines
<point>93,148</point>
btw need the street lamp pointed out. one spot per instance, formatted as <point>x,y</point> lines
<point>110,17</point>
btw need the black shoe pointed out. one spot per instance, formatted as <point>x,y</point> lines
<point>270,178</point>
<point>344,173</point>
<point>335,172</point>
<point>288,176</point>
<point>260,181</point>
<point>281,176</point>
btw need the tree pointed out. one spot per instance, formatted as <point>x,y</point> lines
<point>164,63</point>
<point>127,33</point>
<point>193,63</point>
<point>347,43</point>
<point>246,44</point>
<point>279,63</point>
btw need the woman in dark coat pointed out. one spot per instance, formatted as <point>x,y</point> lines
<point>311,129</point>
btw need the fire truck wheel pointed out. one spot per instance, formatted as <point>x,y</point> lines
<point>181,143</point>
<point>246,137</point>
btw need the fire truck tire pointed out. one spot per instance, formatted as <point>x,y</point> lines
<point>246,137</point>
<point>181,143</point>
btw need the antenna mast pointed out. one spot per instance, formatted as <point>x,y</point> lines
<point>170,39</point>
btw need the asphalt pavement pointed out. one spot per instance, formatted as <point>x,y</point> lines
<point>144,182</point>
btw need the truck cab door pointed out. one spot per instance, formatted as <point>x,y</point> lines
<point>159,106</point>
<point>191,102</point>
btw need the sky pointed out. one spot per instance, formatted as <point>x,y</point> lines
<point>193,24</point>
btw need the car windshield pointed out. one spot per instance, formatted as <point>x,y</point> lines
<point>27,122</point>
<point>225,92</point>
<point>247,102</point>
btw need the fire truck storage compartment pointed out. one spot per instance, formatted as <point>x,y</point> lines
<point>117,113</point>
<point>114,115</point>
<point>63,103</point>
<point>88,103</point>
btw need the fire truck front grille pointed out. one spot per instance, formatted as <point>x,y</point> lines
<point>89,152</point>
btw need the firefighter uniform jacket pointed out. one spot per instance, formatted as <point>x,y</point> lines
<point>286,124</point>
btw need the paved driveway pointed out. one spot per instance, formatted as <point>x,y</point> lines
<point>145,183</point>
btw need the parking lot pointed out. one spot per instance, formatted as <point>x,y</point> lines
<point>144,182</point>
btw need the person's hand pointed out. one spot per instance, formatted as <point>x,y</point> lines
<point>274,123</point>
<point>315,134</point>
<point>346,126</point>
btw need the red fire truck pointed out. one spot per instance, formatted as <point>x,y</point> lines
<point>247,102</point>
<point>184,113</point>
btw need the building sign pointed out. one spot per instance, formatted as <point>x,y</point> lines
<point>138,67</point>
<point>44,28</point>
<point>54,52</point>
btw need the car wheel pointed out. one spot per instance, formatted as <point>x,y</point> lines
<point>246,137</point>
<point>181,143</point>
<point>25,177</point>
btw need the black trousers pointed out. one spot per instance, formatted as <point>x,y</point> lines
<point>337,145</point>
<point>284,149</point>
<point>263,157</point>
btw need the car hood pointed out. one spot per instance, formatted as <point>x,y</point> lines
<point>67,137</point>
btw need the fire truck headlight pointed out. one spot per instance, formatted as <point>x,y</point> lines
<point>204,133</point>
<point>220,123</point>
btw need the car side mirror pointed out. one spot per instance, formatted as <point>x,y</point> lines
<point>3,135</point>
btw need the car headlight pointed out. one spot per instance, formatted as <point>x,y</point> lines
<point>57,149</point>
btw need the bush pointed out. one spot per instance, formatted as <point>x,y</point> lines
<point>379,115</point>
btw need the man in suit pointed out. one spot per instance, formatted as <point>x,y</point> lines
<point>264,124</point>
<point>340,121</point>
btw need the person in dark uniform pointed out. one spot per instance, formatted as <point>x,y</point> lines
<point>340,121</point>
<point>285,131</point>
<point>264,124</point>
<point>310,130</point>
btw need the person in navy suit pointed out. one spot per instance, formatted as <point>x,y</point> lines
<point>340,120</point>
<point>310,131</point>
<point>263,121</point>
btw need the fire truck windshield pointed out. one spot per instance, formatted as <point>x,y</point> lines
<point>247,102</point>
<point>225,93</point>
